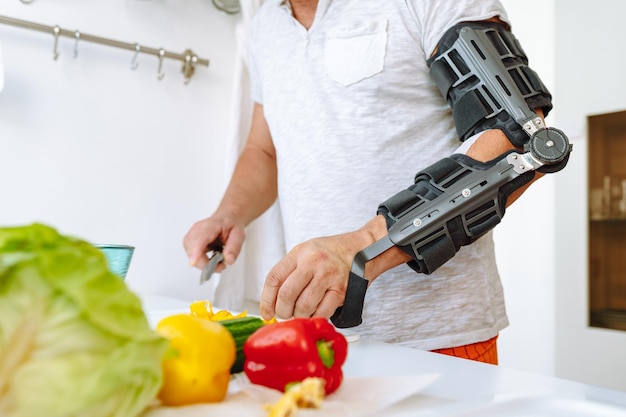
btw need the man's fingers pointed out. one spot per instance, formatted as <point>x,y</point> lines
<point>196,241</point>
<point>199,261</point>
<point>312,296</point>
<point>194,253</point>
<point>273,283</point>
<point>233,245</point>
<point>330,302</point>
<point>307,302</point>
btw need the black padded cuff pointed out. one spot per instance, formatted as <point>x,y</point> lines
<point>430,253</point>
<point>474,106</point>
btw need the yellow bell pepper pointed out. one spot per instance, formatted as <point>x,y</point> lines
<point>199,309</point>
<point>198,369</point>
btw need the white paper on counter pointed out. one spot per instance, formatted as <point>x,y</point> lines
<point>357,397</point>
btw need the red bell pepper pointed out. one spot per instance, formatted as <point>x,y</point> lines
<point>287,352</point>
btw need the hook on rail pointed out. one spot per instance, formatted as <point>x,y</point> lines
<point>189,65</point>
<point>135,62</point>
<point>77,36</point>
<point>160,73</point>
<point>56,32</point>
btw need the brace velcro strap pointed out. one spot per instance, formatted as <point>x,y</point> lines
<point>474,106</point>
<point>430,252</point>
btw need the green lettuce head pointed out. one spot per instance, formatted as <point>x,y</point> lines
<point>74,340</point>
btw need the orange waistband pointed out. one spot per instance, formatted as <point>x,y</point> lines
<point>486,351</point>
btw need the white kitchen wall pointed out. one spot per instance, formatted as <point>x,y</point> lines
<point>575,45</point>
<point>590,68</point>
<point>100,151</point>
<point>109,154</point>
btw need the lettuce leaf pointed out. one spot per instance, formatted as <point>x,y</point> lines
<point>74,340</point>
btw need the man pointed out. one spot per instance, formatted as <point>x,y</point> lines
<point>345,114</point>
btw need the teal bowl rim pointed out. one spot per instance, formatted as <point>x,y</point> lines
<point>113,246</point>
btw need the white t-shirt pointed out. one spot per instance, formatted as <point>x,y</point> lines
<point>354,115</point>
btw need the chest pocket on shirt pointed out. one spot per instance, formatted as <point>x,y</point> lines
<point>355,53</point>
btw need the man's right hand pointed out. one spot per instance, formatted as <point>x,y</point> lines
<point>205,233</point>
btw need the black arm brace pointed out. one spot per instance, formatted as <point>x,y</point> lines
<point>482,72</point>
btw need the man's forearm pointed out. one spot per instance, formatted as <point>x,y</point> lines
<point>252,188</point>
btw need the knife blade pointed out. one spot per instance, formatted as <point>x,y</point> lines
<point>209,268</point>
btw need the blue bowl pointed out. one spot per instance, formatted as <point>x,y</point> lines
<point>118,257</point>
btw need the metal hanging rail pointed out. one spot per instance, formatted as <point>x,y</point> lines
<point>188,58</point>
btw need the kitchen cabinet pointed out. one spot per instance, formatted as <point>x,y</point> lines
<point>607,220</point>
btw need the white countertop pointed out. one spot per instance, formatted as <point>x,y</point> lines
<point>463,387</point>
